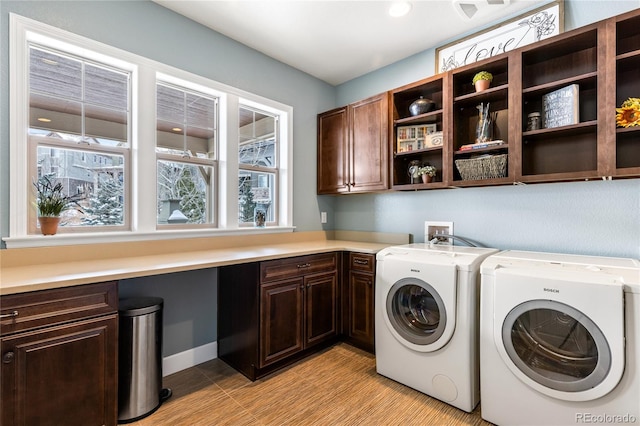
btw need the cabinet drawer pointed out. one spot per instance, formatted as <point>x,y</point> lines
<point>49,307</point>
<point>362,262</point>
<point>274,270</point>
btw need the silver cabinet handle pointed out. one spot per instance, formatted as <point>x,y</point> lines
<point>361,261</point>
<point>304,265</point>
<point>10,314</point>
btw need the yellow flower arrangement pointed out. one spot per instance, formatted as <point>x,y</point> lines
<point>629,113</point>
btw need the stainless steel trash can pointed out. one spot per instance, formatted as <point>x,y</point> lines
<point>140,390</point>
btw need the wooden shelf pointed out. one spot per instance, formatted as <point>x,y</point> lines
<point>625,130</point>
<point>504,147</point>
<point>560,83</point>
<point>628,55</point>
<point>428,117</point>
<point>489,94</point>
<point>417,151</point>
<point>564,130</point>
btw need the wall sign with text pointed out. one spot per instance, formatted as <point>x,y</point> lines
<point>531,27</point>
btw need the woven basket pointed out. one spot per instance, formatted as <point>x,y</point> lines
<point>485,167</point>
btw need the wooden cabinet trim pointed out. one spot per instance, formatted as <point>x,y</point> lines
<point>275,270</point>
<point>56,306</point>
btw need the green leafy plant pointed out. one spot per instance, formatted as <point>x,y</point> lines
<point>427,170</point>
<point>482,75</point>
<point>51,200</point>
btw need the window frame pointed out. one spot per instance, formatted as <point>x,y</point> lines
<point>36,141</point>
<point>189,87</point>
<point>257,169</point>
<point>142,203</point>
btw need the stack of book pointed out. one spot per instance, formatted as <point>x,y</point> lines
<point>489,144</point>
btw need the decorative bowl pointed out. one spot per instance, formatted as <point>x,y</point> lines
<point>421,106</point>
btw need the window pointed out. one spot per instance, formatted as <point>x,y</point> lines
<point>258,167</point>
<point>79,135</point>
<point>186,154</point>
<point>152,151</point>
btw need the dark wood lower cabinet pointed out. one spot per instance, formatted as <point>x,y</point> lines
<point>64,373</point>
<point>281,320</point>
<point>275,312</point>
<point>358,300</point>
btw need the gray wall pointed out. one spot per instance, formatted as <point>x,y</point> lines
<point>190,306</point>
<point>595,218</point>
<point>601,218</point>
<point>150,30</point>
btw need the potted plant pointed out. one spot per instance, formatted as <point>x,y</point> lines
<point>482,80</point>
<point>51,201</point>
<point>427,172</point>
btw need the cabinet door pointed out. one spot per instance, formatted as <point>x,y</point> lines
<point>64,375</point>
<point>321,314</point>
<point>281,314</point>
<point>368,120</point>
<point>361,306</point>
<point>333,151</point>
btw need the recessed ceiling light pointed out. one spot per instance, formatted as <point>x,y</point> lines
<point>44,120</point>
<point>176,129</point>
<point>399,8</point>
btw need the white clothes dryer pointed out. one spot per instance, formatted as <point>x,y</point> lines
<point>426,319</point>
<point>559,339</point>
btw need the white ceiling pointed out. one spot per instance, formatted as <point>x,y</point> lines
<point>337,41</point>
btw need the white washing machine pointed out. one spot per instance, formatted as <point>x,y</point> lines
<point>559,339</point>
<point>426,319</point>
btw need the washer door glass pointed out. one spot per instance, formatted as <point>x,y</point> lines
<point>416,311</point>
<point>556,345</point>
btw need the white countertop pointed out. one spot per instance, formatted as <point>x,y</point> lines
<point>22,276</point>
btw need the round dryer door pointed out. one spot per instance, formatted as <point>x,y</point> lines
<point>416,312</point>
<point>556,345</point>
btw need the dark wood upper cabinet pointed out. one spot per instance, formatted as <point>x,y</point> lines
<point>333,152</point>
<point>600,61</point>
<point>353,147</point>
<point>409,132</point>
<point>627,64</point>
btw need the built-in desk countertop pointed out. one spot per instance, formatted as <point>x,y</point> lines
<point>23,270</point>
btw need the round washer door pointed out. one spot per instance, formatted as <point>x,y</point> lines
<point>556,346</point>
<point>417,315</point>
<point>567,344</point>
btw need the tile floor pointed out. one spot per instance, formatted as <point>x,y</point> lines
<point>338,386</point>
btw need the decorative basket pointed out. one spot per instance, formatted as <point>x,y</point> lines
<point>484,167</point>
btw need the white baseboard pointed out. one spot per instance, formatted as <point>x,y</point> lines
<point>183,360</point>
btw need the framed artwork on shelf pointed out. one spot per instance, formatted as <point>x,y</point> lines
<point>410,138</point>
<point>538,24</point>
<point>560,107</point>
<point>433,140</point>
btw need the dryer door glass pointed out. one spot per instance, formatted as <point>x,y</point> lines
<point>556,345</point>
<point>416,311</point>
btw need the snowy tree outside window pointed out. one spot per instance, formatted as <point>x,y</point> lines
<point>186,155</point>
<point>258,167</point>
<point>79,125</point>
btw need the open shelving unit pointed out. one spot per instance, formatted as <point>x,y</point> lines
<point>570,151</point>
<point>602,61</point>
<point>466,116</point>
<point>627,86</point>
<point>400,116</point>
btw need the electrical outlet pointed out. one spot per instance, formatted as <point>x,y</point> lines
<point>433,229</point>
<point>323,217</point>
